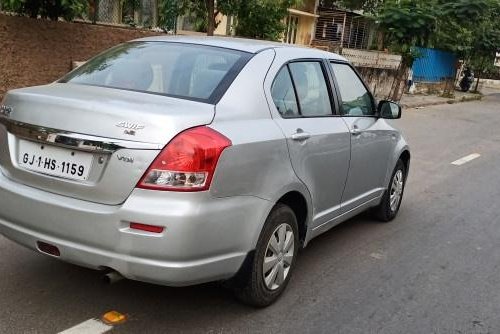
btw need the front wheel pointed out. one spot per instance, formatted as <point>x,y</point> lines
<point>391,201</point>
<point>273,261</point>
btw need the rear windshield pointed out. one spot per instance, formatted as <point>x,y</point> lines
<point>188,71</point>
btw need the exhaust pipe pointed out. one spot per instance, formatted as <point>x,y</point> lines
<point>112,277</point>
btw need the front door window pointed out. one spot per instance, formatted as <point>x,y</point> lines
<point>356,100</point>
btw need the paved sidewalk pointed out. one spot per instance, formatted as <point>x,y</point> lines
<point>423,100</point>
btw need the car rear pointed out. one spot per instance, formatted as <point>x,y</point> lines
<point>110,167</point>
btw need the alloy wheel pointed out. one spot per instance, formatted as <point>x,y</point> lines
<point>396,190</point>
<point>278,257</point>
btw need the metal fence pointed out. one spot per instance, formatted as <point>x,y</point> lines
<point>343,29</point>
<point>143,13</point>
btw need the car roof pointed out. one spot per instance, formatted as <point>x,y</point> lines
<point>241,44</point>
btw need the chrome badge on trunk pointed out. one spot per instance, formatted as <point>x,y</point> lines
<point>130,125</point>
<point>130,128</point>
<point>5,110</point>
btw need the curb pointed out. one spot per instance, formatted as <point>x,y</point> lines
<point>435,103</point>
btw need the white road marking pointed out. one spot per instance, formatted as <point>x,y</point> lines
<point>378,256</point>
<point>466,159</point>
<point>91,326</point>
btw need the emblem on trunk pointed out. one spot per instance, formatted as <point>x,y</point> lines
<point>5,110</point>
<point>130,125</point>
<point>125,158</point>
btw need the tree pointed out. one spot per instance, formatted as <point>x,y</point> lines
<point>368,6</point>
<point>199,10</point>
<point>457,22</point>
<point>405,25</point>
<point>210,17</point>
<point>67,9</point>
<point>470,29</point>
<point>486,43</point>
<point>254,18</point>
<point>262,19</point>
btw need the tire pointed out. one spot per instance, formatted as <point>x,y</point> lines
<point>386,212</point>
<point>253,288</point>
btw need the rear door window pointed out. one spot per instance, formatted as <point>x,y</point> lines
<point>300,90</point>
<point>283,94</point>
<point>312,91</point>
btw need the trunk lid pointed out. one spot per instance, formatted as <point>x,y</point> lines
<point>113,134</point>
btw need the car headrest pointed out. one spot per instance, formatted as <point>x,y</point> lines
<point>219,67</point>
<point>131,74</point>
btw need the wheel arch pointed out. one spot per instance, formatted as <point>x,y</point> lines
<point>401,151</point>
<point>297,197</point>
<point>298,203</point>
<point>405,156</point>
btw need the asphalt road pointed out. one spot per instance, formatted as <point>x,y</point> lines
<point>435,269</point>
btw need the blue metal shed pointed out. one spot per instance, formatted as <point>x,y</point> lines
<point>434,65</point>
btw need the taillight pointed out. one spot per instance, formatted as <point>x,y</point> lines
<point>187,163</point>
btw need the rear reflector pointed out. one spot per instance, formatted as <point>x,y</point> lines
<point>48,248</point>
<point>147,228</point>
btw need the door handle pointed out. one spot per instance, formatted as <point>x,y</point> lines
<point>355,131</point>
<point>301,135</point>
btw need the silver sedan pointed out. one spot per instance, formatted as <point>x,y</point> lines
<point>184,160</point>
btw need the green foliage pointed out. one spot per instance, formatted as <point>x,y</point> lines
<point>459,22</point>
<point>168,11</point>
<point>255,18</point>
<point>129,7</point>
<point>197,11</point>
<point>471,29</point>
<point>466,10</point>
<point>406,24</point>
<point>73,8</point>
<point>484,46</point>
<point>261,19</point>
<point>12,5</point>
<point>52,9</point>
<point>367,6</point>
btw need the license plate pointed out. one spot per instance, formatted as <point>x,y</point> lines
<point>55,161</point>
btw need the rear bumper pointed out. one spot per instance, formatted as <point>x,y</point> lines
<point>205,238</point>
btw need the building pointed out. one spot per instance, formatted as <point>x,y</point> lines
<point>306,24</point>
<point>301,23</point>
<point>337,29</point>
<point>117,12</point>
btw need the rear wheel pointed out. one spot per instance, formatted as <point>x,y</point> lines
<point>271,267</point>
<point>391,201</point>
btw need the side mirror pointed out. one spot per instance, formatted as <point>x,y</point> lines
<point>389,110</point>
